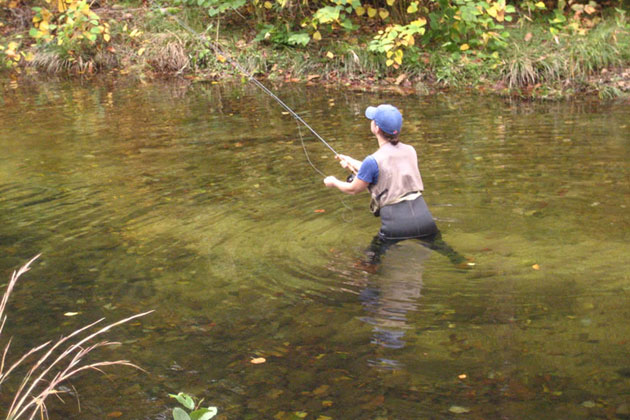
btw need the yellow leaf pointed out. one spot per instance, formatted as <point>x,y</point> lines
<point>536,267</point>
<point>71,314</point>
<point>360,10</point>
<point>106,37</point>
<point>589,9</point>
<point>464,47</point>
<point>383,13</point>
<point>268,5</point>
<point>391,2</point>
<point>371,12</point>
<point>389,62</point>
<point>330,55</point>
<point>258,360</point>
<point>398,56</point>
<point>220,58</point>
<point>419,22</point>
<point>317,36</point>
<point>540,5</point>
<point>141,51</point>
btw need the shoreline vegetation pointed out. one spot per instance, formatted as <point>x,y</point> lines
<point>545,50</point>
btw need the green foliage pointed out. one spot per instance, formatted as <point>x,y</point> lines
<point>532,6</point>
<point>73,27</point>
<point>214,7</point>
<point>11,54</point>
<point>579,19</point>
<point>281,34</point>
<point>470,24</point>
<point>194,411</point>
<point>393,39</point>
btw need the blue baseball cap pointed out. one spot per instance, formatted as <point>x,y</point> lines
<point>387,118</point>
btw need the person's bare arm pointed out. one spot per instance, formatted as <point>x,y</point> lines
<point>354,187</point>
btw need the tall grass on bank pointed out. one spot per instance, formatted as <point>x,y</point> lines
<point>535,56</point>
<point>58,361</point>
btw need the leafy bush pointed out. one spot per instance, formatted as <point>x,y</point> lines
<point>195,412</point>
<point>72,28</point>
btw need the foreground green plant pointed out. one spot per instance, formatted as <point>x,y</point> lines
<point>196,413</point>
<point>55,366</point>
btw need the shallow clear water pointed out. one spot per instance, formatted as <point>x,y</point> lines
<point>198,201</point>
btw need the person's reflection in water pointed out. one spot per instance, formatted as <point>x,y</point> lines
<point>392,292</point>
<point>389,297</point>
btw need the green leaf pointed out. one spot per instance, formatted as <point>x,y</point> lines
<point>184,399</point>
<point>327,14</point>
<point>179,414</point>
<point>299,39</point>
<point>204,413</point>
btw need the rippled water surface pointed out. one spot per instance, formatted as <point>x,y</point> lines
<point>198,202</point>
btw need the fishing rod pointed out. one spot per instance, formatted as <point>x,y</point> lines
<point>220,53</point>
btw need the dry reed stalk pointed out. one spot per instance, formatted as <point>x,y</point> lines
<point>37,385</point>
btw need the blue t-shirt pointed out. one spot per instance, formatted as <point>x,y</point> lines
<point>368,171</point>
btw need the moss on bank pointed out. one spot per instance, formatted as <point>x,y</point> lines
<point>536,64</point>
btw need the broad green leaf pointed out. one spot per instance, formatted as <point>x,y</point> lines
<point>298,39</point>
<point>179,414</point>
<point>184,399</point>
<point>204,413</point>
<point>327,14</point>
<point>413,7</point>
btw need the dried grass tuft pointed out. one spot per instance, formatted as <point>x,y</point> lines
<point>58,361</point>
<point>167,54</point>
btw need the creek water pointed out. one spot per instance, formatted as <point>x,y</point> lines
<point>197,201</point>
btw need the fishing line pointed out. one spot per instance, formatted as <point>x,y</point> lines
<point>219,52</point>
<point>343,200</point>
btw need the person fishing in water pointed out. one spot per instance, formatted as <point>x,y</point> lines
<point>392,177</point>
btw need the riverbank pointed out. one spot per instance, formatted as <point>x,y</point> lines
<point>146,43</point>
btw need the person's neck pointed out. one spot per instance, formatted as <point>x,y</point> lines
<point>381,140</point>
